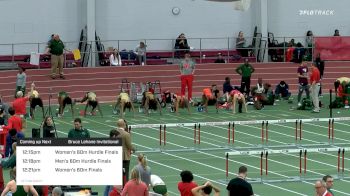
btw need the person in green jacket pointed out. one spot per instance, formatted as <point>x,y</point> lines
<point>245,70</point>
<point>10,162</point>
<point>78,132</point>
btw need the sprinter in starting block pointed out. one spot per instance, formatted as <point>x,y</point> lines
<point>237,96</point>
<point>180,102</point>
<point>149,101</point>
<point>123,102</point>
<point>92,101</point>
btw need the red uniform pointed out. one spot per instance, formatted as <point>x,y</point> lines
<point>235,92</point>
<point>14,122</point>
<point>289,55</point>
<point>207,92</point>
<point>19,105</point>
<point>315,75</point>
<point>185,188</point>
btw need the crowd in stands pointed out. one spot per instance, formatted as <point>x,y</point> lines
<point>290,51</point>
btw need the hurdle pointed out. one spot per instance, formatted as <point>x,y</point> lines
<point>232,136</point>
<point>303,160</point>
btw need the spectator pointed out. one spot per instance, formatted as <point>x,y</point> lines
<point>220,59</point>
<point>205,190</point>
<point>320,66</point>
<point>292,43</point>
<point>141,53</point>
<point>127,146</point>
<point>4,106</point>
<point>320,188</point>
<point>15,189</point>
<point>158,185</point>
<point>240,41</point>
<point>245,70</point>
<point>57,191</point>
<point>289,52</point>
<point>35,100</point>
<point>2,117</point>
<point>282,90</point>
<point>303,82</point>
<point>56,48</point>
<point>186,185</point>
<point>336,32</point>
<point>181,45</point>
<point>315,87</point>
<point>14,121</point>
<point>49,130</point>
<point>11,138</point>
<point>329,183</point>
<point>239,186</point>
<point>187,68</point>
<point>298,53</point>
<point>11,162</point>
<point>143,169</point>
<point>309,42</point>
<point>135,187</point>
<point>227,87</point>
<point>115,59</point>
<point>78,132</point>
<point>21,81</point>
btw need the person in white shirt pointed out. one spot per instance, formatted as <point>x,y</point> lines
<point>158,185</point>
<point>115,59</point>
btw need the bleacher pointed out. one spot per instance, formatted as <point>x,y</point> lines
<point>153,58</point>
<point>166,57</point>
<point>24,61</point>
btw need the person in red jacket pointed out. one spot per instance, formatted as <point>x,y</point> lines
<point>187,67</point>
<point>186,185</point>
<point>19,104</point>
<point>14,122</point>
<point>315,87</point>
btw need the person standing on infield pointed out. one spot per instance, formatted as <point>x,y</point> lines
<point>239,186</point>
<point>245,70</point>
<point>315,87</point>
<point>187,71</point>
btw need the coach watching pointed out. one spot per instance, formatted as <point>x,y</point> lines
<point>245,70</point>
<point>127,146</point>
<point>315,87</point>
<point>187,70</point>
<point>239,185</point>
<point>56,47</point>
<point>78,132</point>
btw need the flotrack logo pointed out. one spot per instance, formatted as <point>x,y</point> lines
<point>316,12</point>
